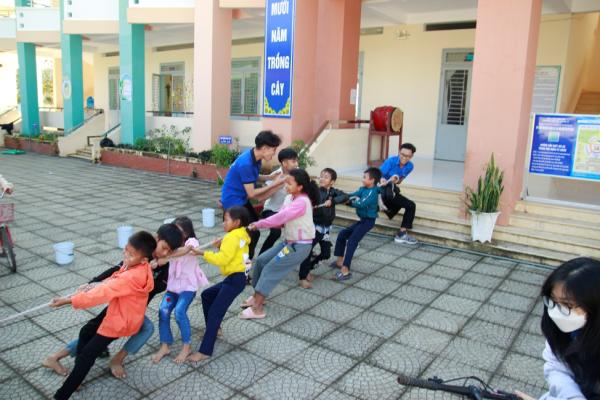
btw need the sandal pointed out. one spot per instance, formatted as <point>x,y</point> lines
<point>334,265</point>
<point>339,276</point>
<point>249,302</point>
<point>249,314</point>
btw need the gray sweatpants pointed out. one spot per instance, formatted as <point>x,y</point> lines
<point>276,263</point>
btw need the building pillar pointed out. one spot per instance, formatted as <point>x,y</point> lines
<point>506,43</point>
<point>212,73</point>
<point>28,88</point>
<point>131,86</point>
<point>71,81</point>
<point>300,126</point>
<point>337,60</point>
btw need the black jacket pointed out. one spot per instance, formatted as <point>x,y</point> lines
<point>324,216</point>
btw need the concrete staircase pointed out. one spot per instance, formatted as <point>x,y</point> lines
<point>538,233</point>
<point>589,103</point>
<point>84,154</point>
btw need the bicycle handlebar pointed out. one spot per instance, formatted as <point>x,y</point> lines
<point>472,392</point>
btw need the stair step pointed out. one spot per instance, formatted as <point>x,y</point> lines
<point>463,241</point>
<point>588,108</point>
<point>81,157</point>
<point>553,224</point>
<point>590,95</point>
<point>589,101</point>
<point>84,152</point>
<point>572,213</point>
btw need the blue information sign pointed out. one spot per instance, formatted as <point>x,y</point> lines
<point>279,58</point>
<point>225,140</point>
<point>566,145</point>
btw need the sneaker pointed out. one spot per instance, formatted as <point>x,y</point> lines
<point>104,354</point>
<point>403,237</point>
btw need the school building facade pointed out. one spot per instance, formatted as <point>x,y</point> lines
<point>462,71</point>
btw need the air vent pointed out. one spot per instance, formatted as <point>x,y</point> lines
<point>237,42</point>
<point>247,63</point>
<point>171,67</point>
<point>112,54</point>
<point>113,71</point>
<point>176,47</point>
<point>371,31</point>
<point>451,26</point>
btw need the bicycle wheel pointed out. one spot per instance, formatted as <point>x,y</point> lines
<point>8,248</point>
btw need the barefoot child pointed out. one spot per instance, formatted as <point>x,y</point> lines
<point>274,264</point>
<point>366,208</point>
<point>168,238</point>
<point>233,260</point>
<point>185,277</point>
<point>126,292</point>
<point>323,219</point>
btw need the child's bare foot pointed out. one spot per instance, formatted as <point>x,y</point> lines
<point>186,350</point>
<point>165,350</point>
<point>117,369</point>
<point>197,356</point>
<point>310,278</point>
<point>78,388</point>
<point>219,333</point>
<point>304,284</point>
<point>53,363</point>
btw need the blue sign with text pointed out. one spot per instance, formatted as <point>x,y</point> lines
<point>225,140</point>
<point>566,145</point>
<point>279,58</point>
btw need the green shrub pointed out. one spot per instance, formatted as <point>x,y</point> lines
<point>304,160</point>
<point>489,189</point>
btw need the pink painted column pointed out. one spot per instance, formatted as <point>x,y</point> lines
<point>300,126</point>
<point>212,73</point>
<point>506,43</point>
<point>337,60</point>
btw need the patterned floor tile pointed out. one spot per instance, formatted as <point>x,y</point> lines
<point>358,297</point>
<point>377,324</point>
<point>368,382</point>
<point>422,338</point>
<point>323,365</point>
<point>476,354</point>
<point>399,359</point>
<point>351,342</point>
<point>335,311</point>
<point>415,294</point>
<point>490,333</point>
<point>308,327</point>
<point>284,384</point>
<point>440,320</point>
<point>275,346</point>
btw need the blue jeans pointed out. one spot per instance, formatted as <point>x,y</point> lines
<point>353,235</point>
<point>179,302</point>
<point>132,346</point>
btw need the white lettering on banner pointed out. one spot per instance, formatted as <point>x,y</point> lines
<point>281,8</point>
<point>279,62</point>
<point>279,35</point>
<point>277,89</point>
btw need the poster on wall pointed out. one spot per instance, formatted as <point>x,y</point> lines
<point>279,58</point>
<point>566,145</point>
<point>66,88</point>
<point>125,87</point>
<point>545,89</point>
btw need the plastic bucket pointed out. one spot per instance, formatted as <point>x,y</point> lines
<point>169,220</point>
<point>208,217</point>
<point>64,252</point>
<point>124,233</point>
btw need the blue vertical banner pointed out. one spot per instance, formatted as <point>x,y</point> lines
<point>279,58</point>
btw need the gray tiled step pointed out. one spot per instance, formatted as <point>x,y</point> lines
<point>83,157</point>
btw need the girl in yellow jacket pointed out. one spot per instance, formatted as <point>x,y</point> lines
<point>233,260</point>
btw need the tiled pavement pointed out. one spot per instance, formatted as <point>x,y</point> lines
<point>414,310</point>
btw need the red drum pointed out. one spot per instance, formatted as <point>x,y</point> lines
<point>387,116</point>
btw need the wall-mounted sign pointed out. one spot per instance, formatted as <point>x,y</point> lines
<point>279,57</point>
<point>225,140</point>
<point>566,145</point>
<point>545,89</point>
<point>66,88</point>
<point>125,87</point>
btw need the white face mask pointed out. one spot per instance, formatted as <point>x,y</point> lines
<point>566,323</point>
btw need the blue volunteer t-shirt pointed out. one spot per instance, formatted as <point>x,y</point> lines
<point>244,170</point>
<point>391,167</point>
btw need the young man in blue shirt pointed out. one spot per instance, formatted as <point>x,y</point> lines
<point>401,166</point>
<point>239,186</point>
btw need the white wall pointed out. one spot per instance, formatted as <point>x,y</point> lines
<point>8,28</point>
<point>52,119</point>
<point>105,10</point>
<point>38,19</point>
<point>179,123</point>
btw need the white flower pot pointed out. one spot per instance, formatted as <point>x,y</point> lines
<point>482,225</point>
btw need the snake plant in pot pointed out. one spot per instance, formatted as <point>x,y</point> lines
<point>483,203</point>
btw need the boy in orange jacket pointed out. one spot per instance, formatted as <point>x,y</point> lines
<point>126,292</point>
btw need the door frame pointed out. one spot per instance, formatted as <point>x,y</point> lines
<point>172,73</point>
<point>452,65</point>
<point>361,69</point>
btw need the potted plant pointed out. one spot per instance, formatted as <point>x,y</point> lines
<point>483,203</point>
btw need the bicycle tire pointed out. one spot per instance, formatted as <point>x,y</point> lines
<point>8,249</point>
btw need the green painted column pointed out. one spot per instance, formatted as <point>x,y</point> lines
<point>72,75</point>
<point>28,89</point>
<point>131,84</point>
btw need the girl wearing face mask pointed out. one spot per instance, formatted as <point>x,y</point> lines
<point>571,326</point>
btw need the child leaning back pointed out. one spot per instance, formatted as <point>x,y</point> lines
<point>234,262</point>
<point>185,277</point>
<point>367,205</point>
<point>126,292</point>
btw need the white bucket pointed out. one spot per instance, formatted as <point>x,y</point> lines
<point>64,252</point>
<point>208,217</point>
<point>124,233</point>
<point>169,220</point>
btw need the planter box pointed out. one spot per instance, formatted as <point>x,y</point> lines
<point>155,162</point>
<point>44,147</point>
<point>482,226</point>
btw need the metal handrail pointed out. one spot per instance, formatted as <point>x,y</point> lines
<point>105,134</point>
<point>8,109</point>
<point>246,115</point>
<point>154,112</point>
<point>79,125</point>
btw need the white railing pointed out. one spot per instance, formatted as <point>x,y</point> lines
<point>162,3</point>
<point>92,10</point>
<point>38,19</point>
<point>8,28</point>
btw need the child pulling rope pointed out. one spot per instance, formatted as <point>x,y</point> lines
<point>88,288</point>
<point>380,200</point>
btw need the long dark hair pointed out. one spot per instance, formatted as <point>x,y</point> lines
<point>581,282</point>
<point>308,186</point>
<point>187,226</point>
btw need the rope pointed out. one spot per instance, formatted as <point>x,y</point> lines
<point>41,307</point>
